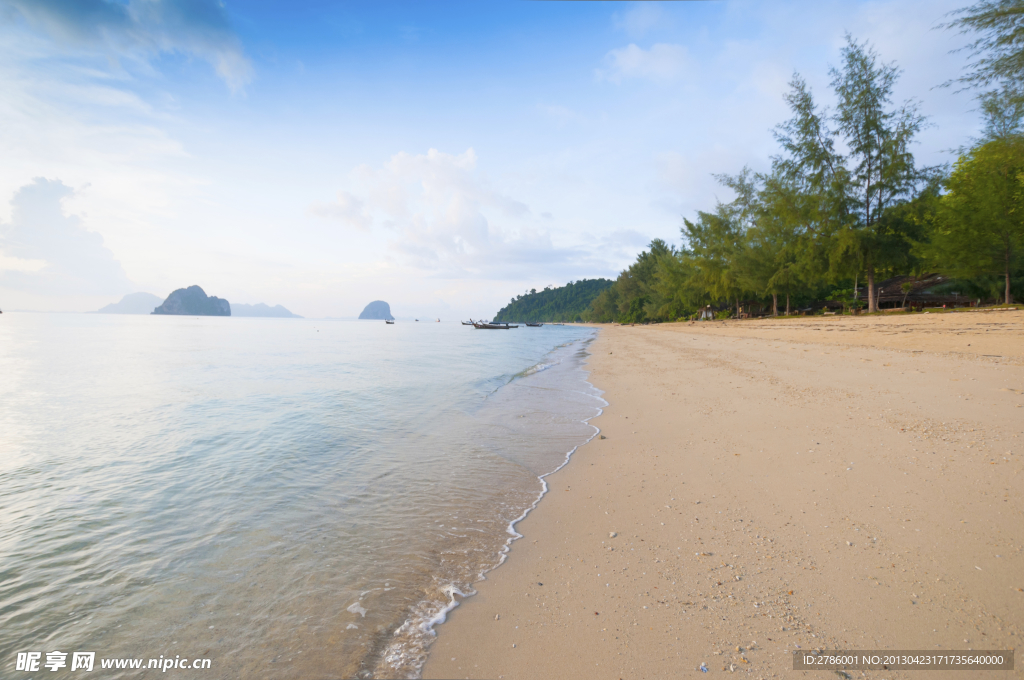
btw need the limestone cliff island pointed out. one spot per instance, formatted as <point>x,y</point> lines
<point>194,301</point>
<point>378,309</point>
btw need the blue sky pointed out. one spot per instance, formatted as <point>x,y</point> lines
<point>440,156</point>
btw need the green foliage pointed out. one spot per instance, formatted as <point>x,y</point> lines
<point>844,296</point>
<point>635,313</point>
<point>998,48</point>
<point>633,297</point>
<point>674,294</point>
<point>881,166</point>
<point>881,171</point>
<point>1003,112</point>
<point>776,242</point>
<point>979,226</point>
<point>568,303</point>
<point>605,306</point>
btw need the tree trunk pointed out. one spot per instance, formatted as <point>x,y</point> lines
<point>787,304</point>
<point>1008,298</point>
<point>738,308</point>
<point>856,278</point>
<point>775,304</point>
<point>872,302</point>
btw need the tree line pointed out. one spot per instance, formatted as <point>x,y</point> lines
<point>845,204</point>
<point>566,303</point>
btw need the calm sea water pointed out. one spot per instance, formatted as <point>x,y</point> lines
<point>289,498</point>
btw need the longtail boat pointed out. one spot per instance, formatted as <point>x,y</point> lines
<point>497,326</point>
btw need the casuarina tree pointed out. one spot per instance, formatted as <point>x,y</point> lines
<point>998,46</point>
<point>879,160</point>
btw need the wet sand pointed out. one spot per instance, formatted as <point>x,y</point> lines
<point>765,486</point>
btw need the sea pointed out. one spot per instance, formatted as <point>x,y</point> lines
<point>285,498</point>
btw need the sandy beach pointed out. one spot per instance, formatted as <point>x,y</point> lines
<point>770,485</point>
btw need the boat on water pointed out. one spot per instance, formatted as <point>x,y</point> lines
<point>495,326</point>
<point>534,325</point>
<point>389,322</point>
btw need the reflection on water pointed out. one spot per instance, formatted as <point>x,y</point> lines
<point>289,498</point>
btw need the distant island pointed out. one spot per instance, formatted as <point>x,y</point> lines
<point>378,309</point>
<point>260,309</point>
<point>133,303</point>
<point>568,303</point>
<point>189,301</point>
<point>194,301</point>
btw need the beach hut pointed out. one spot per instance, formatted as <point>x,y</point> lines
<point>911,292</point>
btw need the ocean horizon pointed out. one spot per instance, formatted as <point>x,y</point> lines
<point>288,498</point>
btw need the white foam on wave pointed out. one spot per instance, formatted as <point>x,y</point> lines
<point>420,626</point>
<point>544,485</point>
<point>537,368</point>
<point>441,616</point>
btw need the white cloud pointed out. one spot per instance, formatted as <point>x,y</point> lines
<point>17,264</point>
<point>347,209</point>
<point>81,119</point>
<point>74,260</point>
<point>142,29</point>
<point>441,215</point>
<point>662,62</point>
<point>638,20</point>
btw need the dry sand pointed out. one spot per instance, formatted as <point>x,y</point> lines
<point>836,483</point>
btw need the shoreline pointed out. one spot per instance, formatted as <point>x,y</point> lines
<point>400,656</point>
<point>724,440</point>
<point>442,616</point>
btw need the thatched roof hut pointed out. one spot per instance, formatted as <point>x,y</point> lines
<point>921,293</point>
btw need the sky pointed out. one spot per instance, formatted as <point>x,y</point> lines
<point>441,156</point>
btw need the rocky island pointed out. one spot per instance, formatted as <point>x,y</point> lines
<point>133,303</point>
<point>378,309</point>
<point>194,301</point>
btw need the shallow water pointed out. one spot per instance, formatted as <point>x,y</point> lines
<point>289,498</point>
